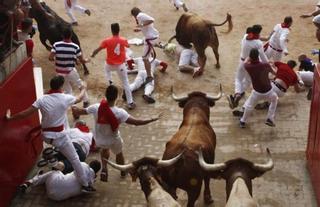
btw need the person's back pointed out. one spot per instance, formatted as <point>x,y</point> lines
<point>115,48</point>
<point>259,76</point>
<point>286,74</point>
<point>276,39</point>
<point>66,54</point>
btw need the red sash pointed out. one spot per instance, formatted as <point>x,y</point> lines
<point>106,116</point>
<point>284,25</point>
<point>51,91</point>
<point>252,36</point>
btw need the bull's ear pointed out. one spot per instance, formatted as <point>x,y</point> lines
<point>211,103</point>
<point>182,103</point>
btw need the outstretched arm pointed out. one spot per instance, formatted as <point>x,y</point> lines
<point>22,114</point>
<point>96,51</point>
<point>133,121</point>
<point>315,13</point>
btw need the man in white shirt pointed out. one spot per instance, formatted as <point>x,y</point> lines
<point>316,19</point>
<point>142,75</point>
<point>277,45</point>
<point>151,34</point>
<point>53,107</point>
<point>60,186</point>
<point>70,6</point>
<point>178,4</point>
<point>108,117</point>
<point>251,40</point>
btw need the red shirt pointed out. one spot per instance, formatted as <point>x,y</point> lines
<point>286,74</point>
<point>115,47</point>
<point>259,73</point>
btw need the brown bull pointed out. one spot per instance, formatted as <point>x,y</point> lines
<point>191,28</point>
<point>195,131</point>
<point>238,174</point>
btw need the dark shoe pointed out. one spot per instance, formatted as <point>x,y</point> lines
<point>231,101</point>
<point>86,104</point>
<point>24,188</point>
<point>262,106</point>
<point>88,189</point>
<point>242,124</point>
<point>148,99</point>
<point>131,106</point>
<point>74,24</point>
<point>123,174</point>
<point>87,11</point>
<point>148,79</point>
<point>110,82</point>
<point>124,95</point>
<point>237,113</point>
<point>269,123</point>
<point>236,99</point>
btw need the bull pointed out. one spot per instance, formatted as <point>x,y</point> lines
<point>194,131</point>
<point>51,27</point>
<point>191,28</point>
<point>238,174</point>
<point>146,169</point>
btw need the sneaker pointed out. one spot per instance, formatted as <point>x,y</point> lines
<point>25,187</point>
<point>269,123</point>
<point>242,124</point>
<point>88,12</point>
<point>124,97</point>
<point>88,189</point>
<point>148,99</point>
<point>131,106</point>
<point>149,79</point>
<point>231,101</point>
<point>86,104</point>
<point>237,113</point>
<point>74,24</point>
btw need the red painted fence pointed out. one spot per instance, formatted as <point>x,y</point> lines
<point>20,144</point>
<point>313,147</point>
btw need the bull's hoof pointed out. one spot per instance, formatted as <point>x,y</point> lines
<point>86,72</point>
<point>208,199</point>
<point>218,66</point>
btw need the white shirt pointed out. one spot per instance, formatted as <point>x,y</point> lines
<point>82,138</point>
<point>278,40</point>
<point>148,31</point>
<point>53,108</point>
<point>104,136</point>
<point>60,187</point>
<point>140,64</point>
<point>248,45</point>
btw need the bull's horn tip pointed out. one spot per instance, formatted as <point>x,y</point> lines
<point>268,151</point>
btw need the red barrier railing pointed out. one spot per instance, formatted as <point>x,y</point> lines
<point>313,147</point>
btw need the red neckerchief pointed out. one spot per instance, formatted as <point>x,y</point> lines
<point>54,91</point>
<point>83,128</point>
<point>252,36</point>
<point>106,116</point>
<point>67,40</point>
<point>284,25</point>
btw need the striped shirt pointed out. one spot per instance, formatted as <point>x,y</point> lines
<point>66,54</point>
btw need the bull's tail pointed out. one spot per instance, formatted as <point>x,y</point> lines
<point>173,37</point>
<point>229,20</point>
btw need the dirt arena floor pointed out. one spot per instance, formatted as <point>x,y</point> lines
<point>286,185</point>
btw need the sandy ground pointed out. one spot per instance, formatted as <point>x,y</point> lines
<point>93,29</point>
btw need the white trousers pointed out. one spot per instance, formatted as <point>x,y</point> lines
<point>123,76</point>
<point>306,77</point>
<point>279,92</point>
<point>74,6</point>
<point>273,54</point>
<point>65,146</point>
<point>254,98</point>
<point>139,81</point>
<point>242,79</point>
<point>73,78</point>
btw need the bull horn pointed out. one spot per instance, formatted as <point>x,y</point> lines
<point>217,97</point>
<point>209,167</point>
<point>267,166</point>
<point>166,163</point>
<point>120,167</point>
<point>176,98</point>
